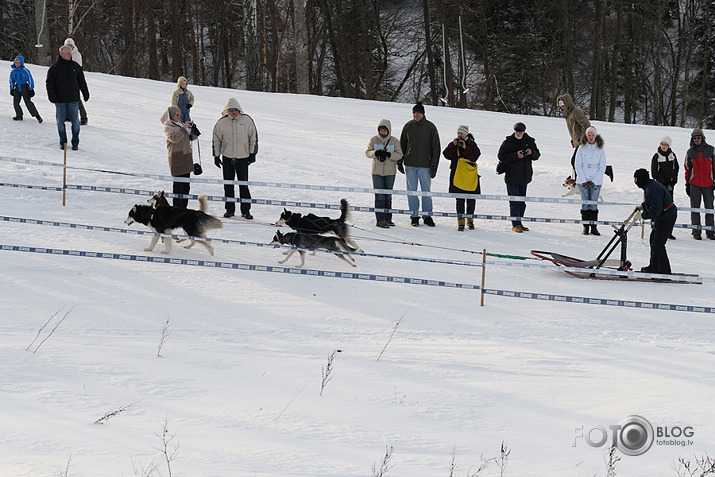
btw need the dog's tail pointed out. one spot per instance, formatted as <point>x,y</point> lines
<point>203,203</point>
<point>344,211</point>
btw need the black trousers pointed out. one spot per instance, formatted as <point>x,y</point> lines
<point>471,204</point>
<point>662,229</point>
<point>25,94</point>
<point>236,169</point>
<point>182,188</point>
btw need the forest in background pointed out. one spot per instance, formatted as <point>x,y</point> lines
<point>645,62</point>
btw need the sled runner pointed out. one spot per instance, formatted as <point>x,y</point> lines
<point>578,268</point>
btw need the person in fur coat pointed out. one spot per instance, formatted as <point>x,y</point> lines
<point>178,142</point>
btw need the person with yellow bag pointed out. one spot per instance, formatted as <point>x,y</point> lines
<point>463,153</point>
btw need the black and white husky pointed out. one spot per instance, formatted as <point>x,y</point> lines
<point>337,245</point>
<point>313,224</point>
<point>165,219</point>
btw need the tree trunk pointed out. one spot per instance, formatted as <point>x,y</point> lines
<point>431,70</point>
<point>253,61</point>
<point>302,64</point>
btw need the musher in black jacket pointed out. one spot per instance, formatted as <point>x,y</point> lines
<point>660,208</point>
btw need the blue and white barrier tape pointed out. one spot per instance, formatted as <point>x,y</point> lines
<point>550,200</point>
<point>241,266</point>
<point>290,203</point>
<point>229,241</point>
<point>600,301</point>
<point>362,276</point>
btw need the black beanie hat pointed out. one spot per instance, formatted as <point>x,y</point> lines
<point>418,108</point>
<point>642,177</point>
<point>519,127</point>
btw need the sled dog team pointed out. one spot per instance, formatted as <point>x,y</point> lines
<point>163,218</point>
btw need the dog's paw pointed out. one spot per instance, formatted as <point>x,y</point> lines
<point>165,252</point>
<point>149,249</point>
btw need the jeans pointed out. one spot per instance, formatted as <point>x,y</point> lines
<point>696,193</point>
<point>383,201</point>
<point>238,169</point>
<point>516,208</point>
<point>413,176</point>
<point>61,111</point>
<point>589,194</point>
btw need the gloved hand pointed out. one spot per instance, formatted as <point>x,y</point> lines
<point>687,189</point>
<point>586,185</point>
<point>217,161</point>
<point>32,93</point>
<point>400,166</point>
<point>387,154</point>
<point>188,105</point>
<point>251,158</point>
<point>433,172</point>
<point>380,154</point>
<point>639,208</point>
<point>86,98</point>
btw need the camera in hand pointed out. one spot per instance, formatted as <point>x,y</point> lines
<point>194,130</point>
<point>197,169</point>
<point>461,143</point>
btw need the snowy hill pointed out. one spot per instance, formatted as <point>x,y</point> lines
<point>423,372</point>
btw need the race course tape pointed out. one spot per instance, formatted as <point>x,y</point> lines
<point>70,225</point>
<point>360,276</point>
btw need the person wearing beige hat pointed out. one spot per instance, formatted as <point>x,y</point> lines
<point>664,167</point>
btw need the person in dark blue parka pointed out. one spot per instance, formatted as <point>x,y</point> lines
<point>22,86</point>
<point>660,208</point>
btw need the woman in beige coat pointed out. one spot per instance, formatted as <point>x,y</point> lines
<point>384,150</point>
<point>178,142</point>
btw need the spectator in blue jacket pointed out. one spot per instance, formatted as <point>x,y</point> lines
<point>22,86</point>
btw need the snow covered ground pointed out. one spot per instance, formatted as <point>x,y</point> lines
<point>238,384</point>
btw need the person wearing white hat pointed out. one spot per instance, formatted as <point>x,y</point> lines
<point>590,165</point>
<point>77,58</point>
<point>664,167</point>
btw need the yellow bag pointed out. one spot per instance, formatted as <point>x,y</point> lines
<point>466,176</point>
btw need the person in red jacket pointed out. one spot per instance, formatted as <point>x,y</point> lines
<point>699,175</point>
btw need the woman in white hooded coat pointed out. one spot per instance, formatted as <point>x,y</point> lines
<point>590,165</point>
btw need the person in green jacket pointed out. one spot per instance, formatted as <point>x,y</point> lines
<point>421,149</point>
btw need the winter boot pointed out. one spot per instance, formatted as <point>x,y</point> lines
<point>470,223</point>
<point>460,224</point>
<point>594,217</point>
<point>585,216</point>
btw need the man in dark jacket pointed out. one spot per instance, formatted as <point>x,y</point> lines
<point>699,175</point>
<point>420,145</point>
<point>65,80</point>
<point>516,154</point>
<point>660,208</point>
